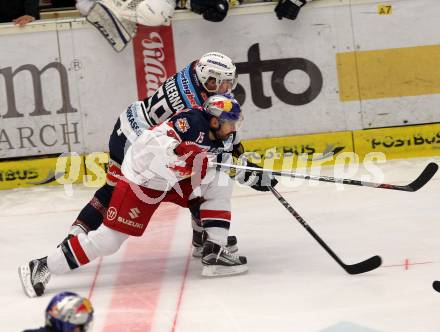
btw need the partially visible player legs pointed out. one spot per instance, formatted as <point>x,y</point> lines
<point>92,215</point>
<point>215,215</point>
<point>71,254</point>
<point>81,249</point>
<point>120,222</point>
<point>36,274</point>
<point>199,234</point>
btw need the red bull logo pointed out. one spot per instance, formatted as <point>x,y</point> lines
<point>85,307</point>
<point>225,105</point>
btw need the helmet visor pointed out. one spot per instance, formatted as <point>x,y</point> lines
<point>227,85</point>
<point>221,86</point>
<point>232,119</point>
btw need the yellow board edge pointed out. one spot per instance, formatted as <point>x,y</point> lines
<point>289,152</point>
<point>41,171</point>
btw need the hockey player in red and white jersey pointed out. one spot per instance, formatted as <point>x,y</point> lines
<point>212,73</point>
<point>168,163</point>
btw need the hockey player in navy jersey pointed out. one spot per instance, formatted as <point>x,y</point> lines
<point>167,163</point>
<point>212,73</point>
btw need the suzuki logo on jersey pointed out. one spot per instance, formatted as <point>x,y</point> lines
<point>130,222</point>
<point>111,213</point>
<point>255,67</point>
<point>134,213</point>
<point>182,125</point>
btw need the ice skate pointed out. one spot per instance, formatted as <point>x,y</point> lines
<point>218,261</point>
<point>200,237</point>
<point>34,277</point>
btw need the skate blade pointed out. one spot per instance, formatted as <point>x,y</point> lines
<point>221,271</point>
<point>24,273</point>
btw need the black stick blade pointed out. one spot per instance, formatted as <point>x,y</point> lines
<point>365,266</point>
<point>423,178</point>
<point>436,285</point>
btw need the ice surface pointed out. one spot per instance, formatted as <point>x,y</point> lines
<point>153,284</point>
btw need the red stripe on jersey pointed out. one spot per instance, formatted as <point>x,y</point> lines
<point>214,214</point>
<point>78,250</point>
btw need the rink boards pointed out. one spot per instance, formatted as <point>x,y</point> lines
<point>278,153</point>
<point>329,83</point>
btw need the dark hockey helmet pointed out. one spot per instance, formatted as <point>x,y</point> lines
<point>67,311</point>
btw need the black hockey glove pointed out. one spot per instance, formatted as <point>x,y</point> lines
<point>211,10</point>
<point>289,8</point>
<point>237,150</point>
<point>257,180</point>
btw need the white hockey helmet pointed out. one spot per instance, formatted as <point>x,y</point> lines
<point>155,12</point>
<point>218,66</point>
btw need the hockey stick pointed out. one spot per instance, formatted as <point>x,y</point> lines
<point>418,183</point>
<point>362,267</point>
<point>436,285</point>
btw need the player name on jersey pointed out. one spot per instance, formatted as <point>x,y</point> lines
<point>173,95</point>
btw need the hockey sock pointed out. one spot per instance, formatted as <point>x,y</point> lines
<point>83,248</point>
<point>217,235</point>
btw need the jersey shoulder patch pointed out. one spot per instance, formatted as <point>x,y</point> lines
<point>181,125</point>
<point>190,124</point>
